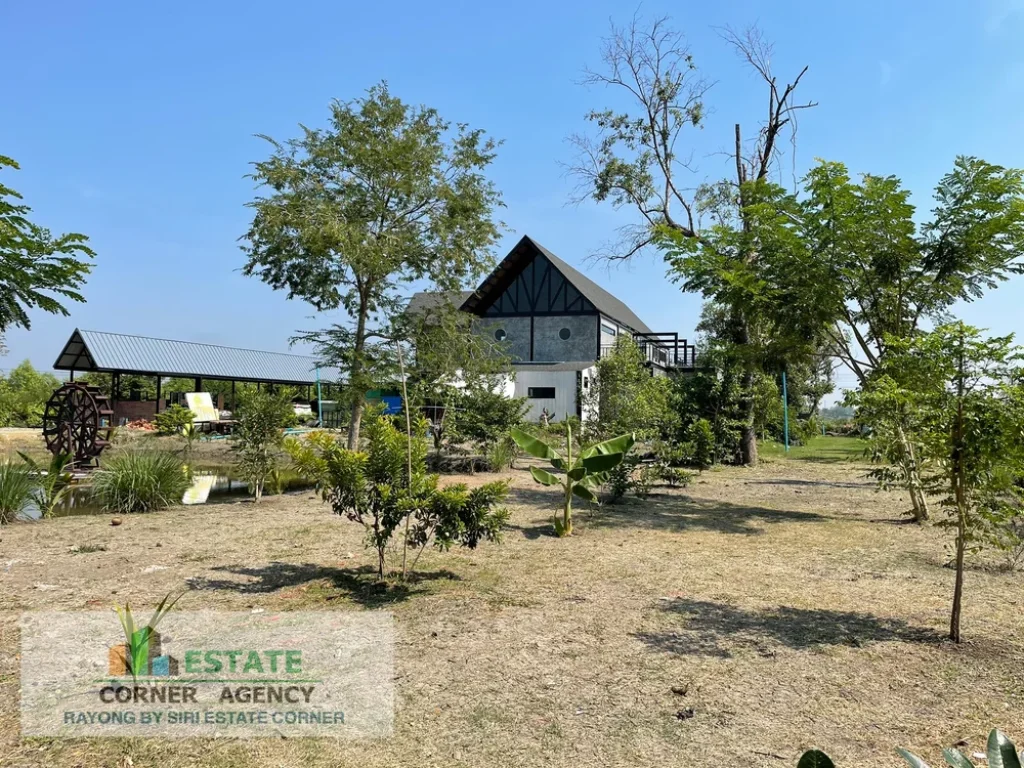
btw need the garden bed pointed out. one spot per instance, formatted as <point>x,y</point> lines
<point>735,622</point>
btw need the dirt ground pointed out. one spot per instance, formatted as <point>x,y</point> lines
<point>744,619</point>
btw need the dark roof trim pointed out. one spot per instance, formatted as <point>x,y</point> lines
<point>520,256</point>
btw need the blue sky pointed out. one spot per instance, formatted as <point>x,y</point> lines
<point>134,123</point>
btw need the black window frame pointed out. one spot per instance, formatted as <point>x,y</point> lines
<point>533,393</point>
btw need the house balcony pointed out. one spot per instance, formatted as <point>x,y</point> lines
<point>662,350</point>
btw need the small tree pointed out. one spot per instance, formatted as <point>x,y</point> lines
<point>582,474</point>
<point>962,394</point>
<point>258,434</point>
<point>389,493</point>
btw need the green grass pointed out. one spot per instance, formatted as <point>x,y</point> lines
<point>821,449</point>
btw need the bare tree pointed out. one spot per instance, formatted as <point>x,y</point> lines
<point>639,159</point>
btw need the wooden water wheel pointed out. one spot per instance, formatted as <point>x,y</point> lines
<point>78,422</point>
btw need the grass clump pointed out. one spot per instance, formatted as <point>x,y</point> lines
<point>140,481</point>
<point>18,489</point>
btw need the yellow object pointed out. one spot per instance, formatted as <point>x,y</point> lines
<point>201,405</point>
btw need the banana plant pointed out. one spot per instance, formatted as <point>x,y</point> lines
<point>583,473</point>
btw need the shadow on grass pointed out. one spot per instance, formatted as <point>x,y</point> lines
<point>358,584</point>
<point>681,513</point>
<point>716,629</point>
<point>867,485</point>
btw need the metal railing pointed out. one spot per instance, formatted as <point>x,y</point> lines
<point>665,350</point>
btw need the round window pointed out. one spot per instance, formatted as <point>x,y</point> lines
<point>564,334</point>
<point>500,334</point>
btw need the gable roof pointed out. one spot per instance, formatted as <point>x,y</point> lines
<point>120,352</point>
<point>424,301</point>
<point>521,255</point>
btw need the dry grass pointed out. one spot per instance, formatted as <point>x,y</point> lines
<point>786,606</point>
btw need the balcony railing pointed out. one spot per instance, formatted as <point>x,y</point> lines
<point>665,350</point>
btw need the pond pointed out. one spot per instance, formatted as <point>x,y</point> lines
<point>209,485</point>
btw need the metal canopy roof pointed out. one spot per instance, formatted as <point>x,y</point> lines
<point>123,353</point>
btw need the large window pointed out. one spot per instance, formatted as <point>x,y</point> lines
<point>541,393</point>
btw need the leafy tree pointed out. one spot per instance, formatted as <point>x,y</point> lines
<point>965,401</point>
<point>879,274</point>
<point>639,160</point>
<point>258,433</point>
<point>37,270</point>
<point>386,195</point>
<point>625,397</point>
<point>587,471</point>
<point>23,395</point>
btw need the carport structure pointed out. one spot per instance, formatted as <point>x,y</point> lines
<point>120,353</point>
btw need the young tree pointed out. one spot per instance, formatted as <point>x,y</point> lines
<point>258,433</point>
<point>387,194</point>
<point>878,275</point>
<point>964,397</point>
<point>37,270</point>
<point>625,397</point>
<point>639,160</point>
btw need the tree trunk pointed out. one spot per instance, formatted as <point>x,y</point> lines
<point>355,378</point>
<point>748,438</point>
<point>960,496</point>
<point>918,501</point>
<point>958,589</point>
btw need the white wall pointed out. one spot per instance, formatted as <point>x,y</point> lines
<point>564,401</point>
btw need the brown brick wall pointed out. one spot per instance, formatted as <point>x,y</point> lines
<point>132,410</point>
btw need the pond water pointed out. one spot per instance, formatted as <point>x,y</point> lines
<point>209,486</point>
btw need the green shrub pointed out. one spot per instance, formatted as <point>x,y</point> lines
<point>502,455</point>
<point>675,477</point>
<point>644,479</point>
<point>140,481</point>
<point>18,487</point>
<point>174,420</point>
<point>701,436</point>
<point>619,479</point>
